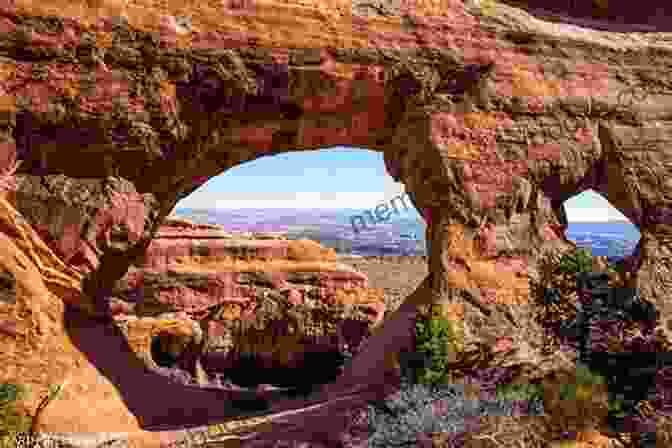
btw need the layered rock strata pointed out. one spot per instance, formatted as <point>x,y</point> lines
<point>491,114</point>
<point>48,342</point>
<point>276,300</point>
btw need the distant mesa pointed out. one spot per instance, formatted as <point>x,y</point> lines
<point>270,235</point>
<point>175,221</point>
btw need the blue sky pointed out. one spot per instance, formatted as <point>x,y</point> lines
<point>334,178</point>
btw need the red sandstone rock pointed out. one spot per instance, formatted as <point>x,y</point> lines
<point>294,297</point>
<point>178,277</point>
<point>490,117</point>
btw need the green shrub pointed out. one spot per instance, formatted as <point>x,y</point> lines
<point>616,408</point>
<point>518,392</point>
<point>584,376</point>
<point>577,261</point>
<point>12,422</point>
<point>438,337</point>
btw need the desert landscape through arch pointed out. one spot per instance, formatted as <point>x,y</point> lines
<point>491,119</point>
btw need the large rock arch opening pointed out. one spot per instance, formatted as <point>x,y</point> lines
<point>276,268</point>
<point>491,119</point>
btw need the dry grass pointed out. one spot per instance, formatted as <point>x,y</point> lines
<point>520,432</point>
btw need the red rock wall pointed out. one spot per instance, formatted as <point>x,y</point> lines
<point>188,275</point>
<point>490,117</point>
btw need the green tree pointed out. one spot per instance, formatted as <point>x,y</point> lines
<point>438,337</point>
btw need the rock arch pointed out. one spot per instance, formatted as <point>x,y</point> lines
<point>489,129</point>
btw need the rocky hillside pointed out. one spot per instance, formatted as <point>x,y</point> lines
<point>196,272</point>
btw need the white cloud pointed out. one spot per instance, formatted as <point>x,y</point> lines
<point>596,214</point>
<point>325,200</point>
<point>601,212</point>
<point>296,200</point>
<point>591,206</point>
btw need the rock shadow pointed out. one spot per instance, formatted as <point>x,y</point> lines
<point>157,401</point>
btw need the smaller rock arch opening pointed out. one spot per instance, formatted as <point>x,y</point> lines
<point>596,224</point>
<point>166,349</point>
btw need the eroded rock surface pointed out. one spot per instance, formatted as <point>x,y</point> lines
<point>492,115</point>
<point>273,299</point>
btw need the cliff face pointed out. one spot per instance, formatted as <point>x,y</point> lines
<point>276,299</point>
<point>492,115</point>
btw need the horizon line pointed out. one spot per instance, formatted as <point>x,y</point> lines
<point>613,221</point>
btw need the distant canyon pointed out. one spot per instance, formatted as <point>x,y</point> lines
<point>395,234</point>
